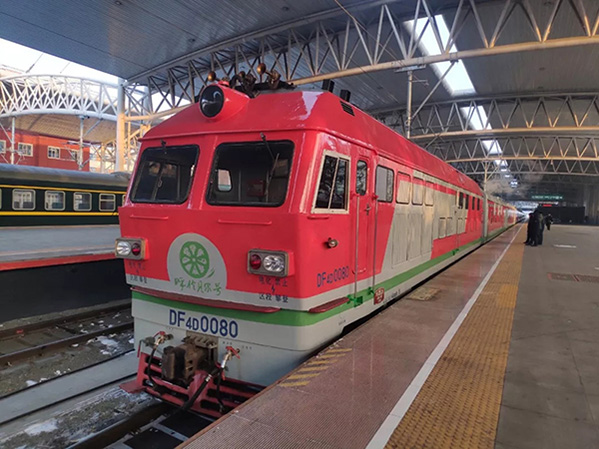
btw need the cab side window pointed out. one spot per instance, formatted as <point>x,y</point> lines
<point>361,177</point>
<point>332,187</point>
<point>384,184</point>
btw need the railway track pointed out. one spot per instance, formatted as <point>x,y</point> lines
<point>42,337</point>
<point>159,426</point>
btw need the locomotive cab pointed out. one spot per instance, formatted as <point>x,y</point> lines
<point>219,218</point>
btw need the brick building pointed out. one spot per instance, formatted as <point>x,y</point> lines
<point>42,151</point>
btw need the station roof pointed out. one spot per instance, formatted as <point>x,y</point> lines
<point>150,43</point>
<point>131,38</point>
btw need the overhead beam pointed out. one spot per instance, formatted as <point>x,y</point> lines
<point>339,43</point>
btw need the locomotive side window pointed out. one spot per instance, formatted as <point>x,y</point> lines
<point>54,200</point>
<point>404,188</point>
<point>361,177</point>
<point>107,202</point>
<point>250,173</point>
<point>23,199</point>
<point>418,192</point>
<point>82,201</point>
<point>429,194</point>
<point>332,188</point>
<point>164,175</point>
<point>384,184</point>
<point>466,201</point>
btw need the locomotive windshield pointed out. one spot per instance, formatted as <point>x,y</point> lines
<point>164,175</point>
<point>250,173</point>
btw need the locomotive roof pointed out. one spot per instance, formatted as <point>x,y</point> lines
<point>312,110</point>
<point>33,174</point>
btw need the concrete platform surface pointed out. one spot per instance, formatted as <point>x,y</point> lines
<point>551,391</point>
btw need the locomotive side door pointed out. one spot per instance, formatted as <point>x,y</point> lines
<point>363,212</point>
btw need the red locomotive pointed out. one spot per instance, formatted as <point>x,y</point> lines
<point>259,224</point>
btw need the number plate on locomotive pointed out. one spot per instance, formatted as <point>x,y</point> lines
<point>201,323</point>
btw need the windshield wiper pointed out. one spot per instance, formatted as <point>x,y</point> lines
<point>274,164</point>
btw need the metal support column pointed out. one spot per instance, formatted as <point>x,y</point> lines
<point>120,128</point>
<point>409,106</point>
<point>80,152</point>
<point>102,158</point>
<point>12,141</point>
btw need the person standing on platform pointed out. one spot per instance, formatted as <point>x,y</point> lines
<point>548,221</point>
<point>540,227</point>
<point>530,229</point>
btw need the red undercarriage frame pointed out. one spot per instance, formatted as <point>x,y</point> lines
<point>232,392</point>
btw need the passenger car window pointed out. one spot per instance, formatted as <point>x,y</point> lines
<point>23,199</point>
<point>384,184</point>
<point>332,188</point>
<point>107,202</point>
<point>361,177</point>
<point>164,175</point>
<point>54,200</point>
<point>82,201</point>
<point>250,173</point>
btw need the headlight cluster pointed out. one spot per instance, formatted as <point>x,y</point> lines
<point>268,262</point>
<point>276,264</point>
<point>129,248</point>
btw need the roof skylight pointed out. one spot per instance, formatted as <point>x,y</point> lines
<point>457,81</point>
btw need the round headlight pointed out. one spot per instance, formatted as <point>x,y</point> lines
<point>212,100</point>
<point>123,249</point>
<point>276,264</point>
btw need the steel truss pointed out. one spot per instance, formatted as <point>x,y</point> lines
<point>369,37</point>
<point>500,136</point>
<point>530,114</point>
<point>22,95</point>
<point>56,94</point>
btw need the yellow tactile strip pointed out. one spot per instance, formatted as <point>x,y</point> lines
<point>458,405</point>
<point>312,368</point>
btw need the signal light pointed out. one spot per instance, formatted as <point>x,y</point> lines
<point>255,262</point>
<point>136,249</point>
<point>211,76</point>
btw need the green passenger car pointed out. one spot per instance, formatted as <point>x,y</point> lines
<point>38,196</point>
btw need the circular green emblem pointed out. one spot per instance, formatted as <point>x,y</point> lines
<point>194,259</point>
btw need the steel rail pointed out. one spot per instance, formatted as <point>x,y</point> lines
<point>15,331</point>
<point>39,350</point>
<point>118,430</point>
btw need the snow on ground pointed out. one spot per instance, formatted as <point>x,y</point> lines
<point>107,341</point>
<point>42,427</point>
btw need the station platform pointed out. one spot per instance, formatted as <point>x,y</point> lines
<point>33,247</point>
<point>501,350</point>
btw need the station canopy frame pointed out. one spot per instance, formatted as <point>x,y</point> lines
<point>505,90</point>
